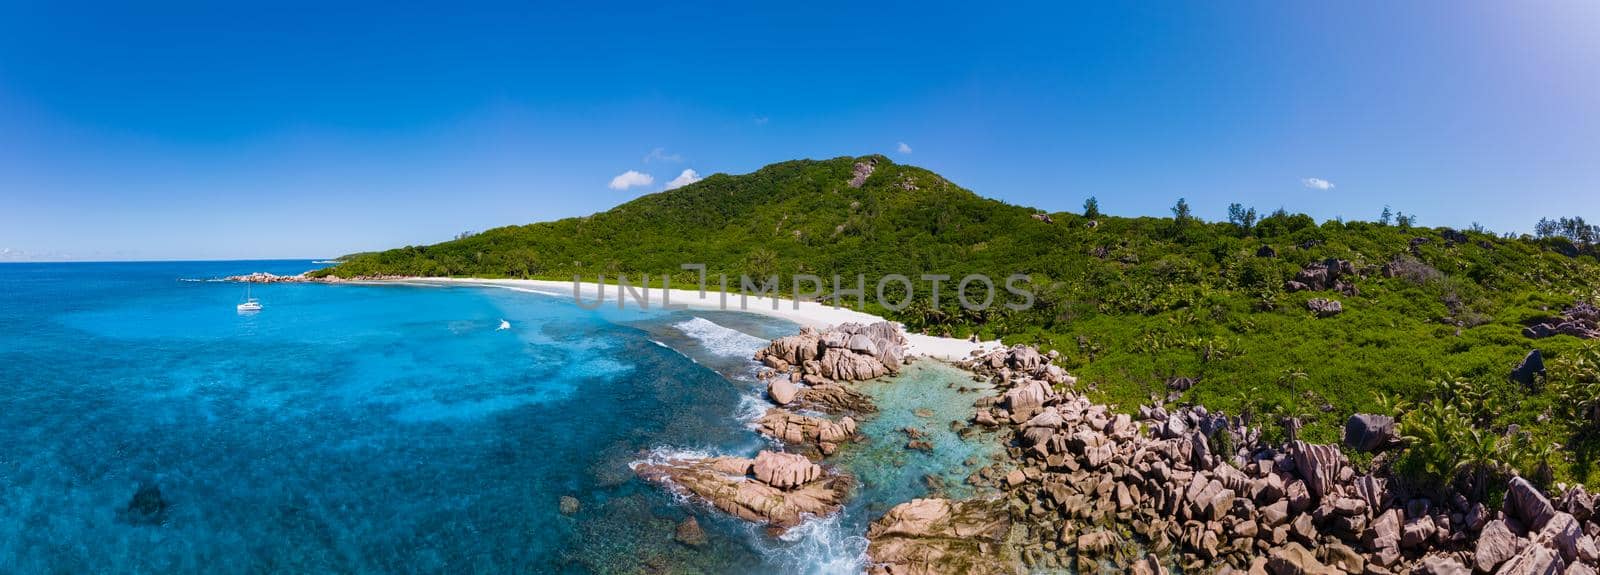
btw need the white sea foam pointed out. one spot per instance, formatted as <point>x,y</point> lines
<point>751,408</point>
<point>675,350</point>
<point>731,343</point>
<point>720,340</point>
<point>665,454</point>
<point>818,546</point>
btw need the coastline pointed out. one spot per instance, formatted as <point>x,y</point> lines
<point>1080,486</point>
<point>806,314</point>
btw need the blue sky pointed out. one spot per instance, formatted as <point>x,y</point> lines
<point>235,130</point>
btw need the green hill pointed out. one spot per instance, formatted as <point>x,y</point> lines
<point>1130,302</point>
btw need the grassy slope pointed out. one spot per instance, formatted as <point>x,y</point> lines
<point>1129,302</point>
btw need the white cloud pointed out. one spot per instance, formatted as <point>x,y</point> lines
<point>903,148</point>
<point>684,179</point>
<point>661,155</point>
<point>1317,184</point>
<point>631,179</point>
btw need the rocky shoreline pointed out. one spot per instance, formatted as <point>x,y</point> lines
<point>1085,488</point>
<point>1195,491</point>
<point>812,413</point>
<point>269,278</point>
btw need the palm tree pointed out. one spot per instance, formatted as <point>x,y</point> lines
<point>1479,455</point>
<point>1432,430</point>
<point>763,262</point>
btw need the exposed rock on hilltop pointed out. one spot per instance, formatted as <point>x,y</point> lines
<point>861,171</point>
<point>773,488</point>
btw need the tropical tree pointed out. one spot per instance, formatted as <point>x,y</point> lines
<point>1244,219</point>
<point>1479,460</point>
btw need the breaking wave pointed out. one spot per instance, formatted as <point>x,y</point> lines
<point>820,546</point>
<point>720,340</point>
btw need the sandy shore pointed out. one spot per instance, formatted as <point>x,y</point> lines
<point>812,314</point>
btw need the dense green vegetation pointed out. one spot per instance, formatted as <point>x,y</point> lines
<point>1132,302</point>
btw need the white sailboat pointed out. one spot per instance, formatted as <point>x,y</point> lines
<point>250,303</point>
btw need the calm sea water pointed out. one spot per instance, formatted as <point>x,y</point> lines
<point>394,429</point>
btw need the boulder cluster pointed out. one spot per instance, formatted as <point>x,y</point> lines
<point>270,278</point>
<point>803,375</point>
<point>812,414</point>
<point>806,431</point>
<point>267,278</point>
<point>846,352</point>
<point>1581,320</point>
<point>1330,274</point>
<point>775,488</point>
<point>1191,490</point>
<point>1324,307</point>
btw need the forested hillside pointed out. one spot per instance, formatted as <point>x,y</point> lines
<point>1143,307</point>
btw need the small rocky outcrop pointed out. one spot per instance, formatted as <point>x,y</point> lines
<point>1330,274</point>
<point>1453,237</point>
<point>1044,217</point>
<point>774,488</point>
<point>804,430</point>
<point>937,536</point>
<point>846,352</point>
<point>1324,307</point>
<point>834,398</point>
<point>1582,320</point>
<point>784,470</point>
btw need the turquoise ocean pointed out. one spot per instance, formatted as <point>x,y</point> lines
<point>397,429</point>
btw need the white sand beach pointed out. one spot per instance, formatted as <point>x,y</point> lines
<point>805,313</point>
